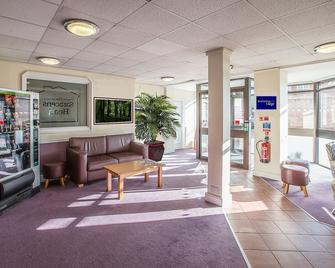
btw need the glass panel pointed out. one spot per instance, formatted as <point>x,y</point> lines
<point>303,87</point>
<point>236,153</point>
<point>323,156</point>
<point>300,110</point>
<point>237,83</point>
<point>204,145</point>
<point>14,133</point>
<point>204,110</point>
<point>61,104</point>
<point>300,147</point>
<point>327,109</point>
<point>237,106</point>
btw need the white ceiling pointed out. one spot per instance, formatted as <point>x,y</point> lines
<point>149,39</point>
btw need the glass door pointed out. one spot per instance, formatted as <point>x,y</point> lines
<point>241,122</point>
<point>203,124</point>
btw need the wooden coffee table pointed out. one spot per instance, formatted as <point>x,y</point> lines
<point>123,170</point>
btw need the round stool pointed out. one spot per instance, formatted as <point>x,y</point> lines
<point>52,171</point>
<point>294,175</point>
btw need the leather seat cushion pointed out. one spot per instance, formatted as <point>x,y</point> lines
<point>99,161</point>
<point>126,156</point>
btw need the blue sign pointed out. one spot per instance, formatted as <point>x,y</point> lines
<point>266,102</point>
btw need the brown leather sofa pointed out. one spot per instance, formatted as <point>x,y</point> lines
<point>86,156</point>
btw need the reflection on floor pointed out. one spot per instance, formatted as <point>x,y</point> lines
<point>274,232</point>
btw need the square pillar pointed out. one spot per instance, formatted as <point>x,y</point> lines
<point>272,82</point>
<point>218,189</point>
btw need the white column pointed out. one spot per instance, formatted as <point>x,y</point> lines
<point>272,82</point>
<point>218,189</point>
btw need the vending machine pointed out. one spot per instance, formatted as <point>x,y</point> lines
<point>19,146</point>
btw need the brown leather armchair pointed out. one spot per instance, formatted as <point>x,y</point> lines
<point>86,156</point>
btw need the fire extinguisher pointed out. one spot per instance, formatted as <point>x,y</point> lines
<point>264,151</point>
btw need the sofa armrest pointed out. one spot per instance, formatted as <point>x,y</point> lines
<point>140,148</point>
<point>77,165</point>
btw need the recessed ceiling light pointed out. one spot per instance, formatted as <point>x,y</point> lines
<point>325,48</point>
<point>49,60</point>
<point>167,78</point>
<point>81,27</point>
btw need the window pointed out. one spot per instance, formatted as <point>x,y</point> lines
<point>327,109</point>
<point>61,104</point>
<point>301,110</point>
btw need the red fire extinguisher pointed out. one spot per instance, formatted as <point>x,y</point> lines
<point>264,151</point>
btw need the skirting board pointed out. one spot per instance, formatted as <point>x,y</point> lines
<point>268,175</point>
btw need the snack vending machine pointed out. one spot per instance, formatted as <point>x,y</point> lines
<point>19,146</point>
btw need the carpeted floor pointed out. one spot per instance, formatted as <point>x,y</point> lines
<point>86,227</point>
<point>320,201</point>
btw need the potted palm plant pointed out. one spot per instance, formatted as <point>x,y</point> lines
<point>155,115</point>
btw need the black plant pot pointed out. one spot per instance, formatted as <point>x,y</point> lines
<point>156,150</point>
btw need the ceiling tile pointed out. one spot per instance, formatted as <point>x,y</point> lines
<point>189,35</point>
<point>259,59</point>
<point>154,20</point>
<point>136,54</point>
<point>91,57</point>
<point>287,54</point>
<point>122,62</point>
<point>65,39</point>
<point>55,51</point>
<point>308,20</point>
<point>66,13</point>
<point>33,11</point>
<point>105,68</point>
<point>295,60</point>
<point>82,64</point>
<point>214,43</point>
<point>125,36</point>
<point>272,45</point>
<point>193,9</point>
<point>20,29</point>
<point>240,53</point>
<point>277,8</point>
<point>14,54</point>
<point>112,10</point>
<point>106,48</point>
<point>256,33</point>
<point>319,35</point>
<point>17,43</point>
<point>232,18</point>
<point>183,55</point>
<point>160,47</point>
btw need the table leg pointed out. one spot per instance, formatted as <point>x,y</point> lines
<point>146,177</point>
<point>120,186</point>
<point>287,186</point>
<point>109,182</point>
<point>160,178</point>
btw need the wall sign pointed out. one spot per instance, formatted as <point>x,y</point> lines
<point>56,107</point>
<point>266,102</point>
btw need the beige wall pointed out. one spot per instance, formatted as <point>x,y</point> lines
<point>150,89</point>
<point>102,86</point>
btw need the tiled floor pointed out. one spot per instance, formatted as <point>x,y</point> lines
<point>272,231</point>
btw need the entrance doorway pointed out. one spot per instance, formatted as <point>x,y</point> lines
<point>242,122</point>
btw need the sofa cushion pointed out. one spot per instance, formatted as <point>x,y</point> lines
<point>119,143</point>
<point>126,156</point>
<point>99,161</point>
<point>92,145</point>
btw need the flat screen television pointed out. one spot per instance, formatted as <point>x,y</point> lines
<point>111,111</point>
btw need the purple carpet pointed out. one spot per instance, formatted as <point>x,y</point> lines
<point>320,201</point>
<point>150,227</point>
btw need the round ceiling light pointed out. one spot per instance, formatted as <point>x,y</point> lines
<point>325,48</point>
<point>81,27</point>
<point>49,60</point>
<point>167,78</point>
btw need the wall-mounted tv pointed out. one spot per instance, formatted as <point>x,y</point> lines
<point>111,111</point>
